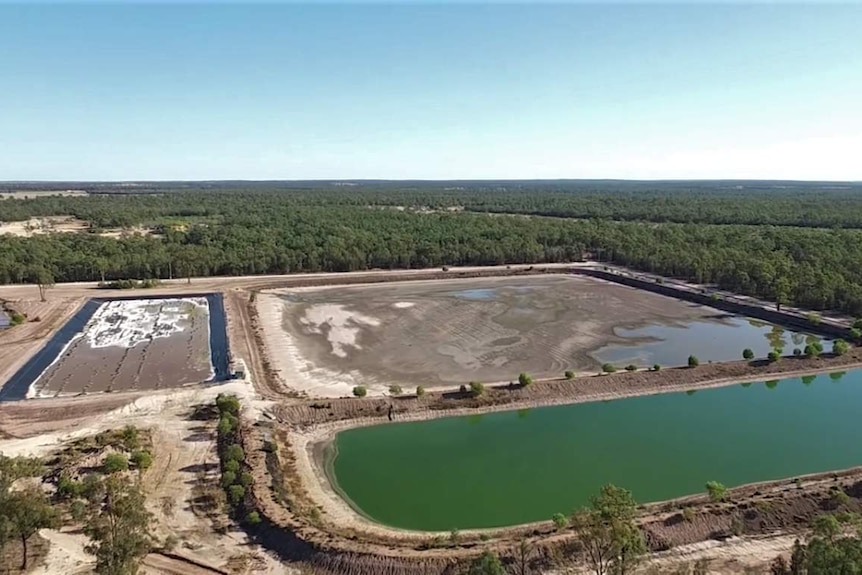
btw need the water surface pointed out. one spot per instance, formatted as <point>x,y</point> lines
<point>520,466</point>
<point>719,340</point>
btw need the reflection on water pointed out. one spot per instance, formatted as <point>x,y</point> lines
<point>709,340</point>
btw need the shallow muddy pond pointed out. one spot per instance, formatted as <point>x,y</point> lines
<point>521,466</point>
<point>719,340</point>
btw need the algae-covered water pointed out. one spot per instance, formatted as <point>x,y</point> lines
<point>520,466</point>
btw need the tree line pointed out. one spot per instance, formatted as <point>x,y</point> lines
<point>254,232</point>
<point>820,205</point>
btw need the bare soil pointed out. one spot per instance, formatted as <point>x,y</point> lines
<point>445,333</point>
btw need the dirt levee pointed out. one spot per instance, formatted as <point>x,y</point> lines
<point>325,341</point>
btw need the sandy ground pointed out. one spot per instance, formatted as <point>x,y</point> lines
<point>45,225</point>
<point>325,341</point>
<point>183,448</point>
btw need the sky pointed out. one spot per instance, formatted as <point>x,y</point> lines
<point>157,91</point>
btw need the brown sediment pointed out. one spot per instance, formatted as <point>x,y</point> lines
<point>178,359</point>
<point>324,341</point>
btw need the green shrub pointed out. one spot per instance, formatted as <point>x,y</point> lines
<point>772,356</point>
<point>840,347</point>
<point>231,465</point>
<point>115,462</point>
<point>420,391</point>
<point>395,389</point>
<point>235,452</point>
<point>68,488</point>
<point>525,380</point>
<point>253,518</point>
<point>570,374</point>
<point>227,424</point>
<point>131,437</point>
<point>228,478</point>
<point>16,318</point>
<point>656,367</point>
<point>693,361</point>
<point>797,352</point>
<point>476,388</point>
<point>608,368</point>
<point>360,391</point>
<point>716,491</point>
<point>747,354</point>
<point>228,404</point>
<point>559,520</point>
<point>142,459</point>
<point>631,367</point>
<point>246,479</point>
<point>235,494</point>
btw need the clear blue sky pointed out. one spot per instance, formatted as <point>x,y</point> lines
<point>123,92</point>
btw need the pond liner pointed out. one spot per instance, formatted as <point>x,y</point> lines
<point>17,386</point>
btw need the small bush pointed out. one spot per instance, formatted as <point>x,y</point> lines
<point>131,438</point>
<point>68,488</point>
<point>360,391</point>
<point>420,391</point>
<point>253,518</point>
<point>462,388</point>
<point>227,424</point>
<point>608,368</point>
<point>716,491</point>
<point>16,318</point>
<point>142,459</point>
<point>231,465</point>
<point>228,478</point>
<point>631,367</point>
<point>570,374</point>
<point>115,462</point>
<point>395,390</point>
<point>772,356</point>
<point>246,479</point>
<point>688,514</point>
<point>525,380</point>
<point>235,494</point>
<point>235,452</point>
<point>228,404</point>
<point>476,388</point>
<point>559,520</point>
<point>656,367</point>
<point>693,361</point>
<point>797,352</point>
<point>747,354</point>
<point>839,498</point>
<point>840,347</point>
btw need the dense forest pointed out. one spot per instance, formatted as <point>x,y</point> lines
<point>785,243</point>
<point>826,205</point>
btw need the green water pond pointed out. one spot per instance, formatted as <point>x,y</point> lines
<point>520,466</point>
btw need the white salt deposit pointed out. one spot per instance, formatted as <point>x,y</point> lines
<point>403,304</point>
<point>343,326</point>
<point>126,323</point>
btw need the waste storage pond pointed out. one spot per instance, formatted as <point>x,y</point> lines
<point>515,467</point>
